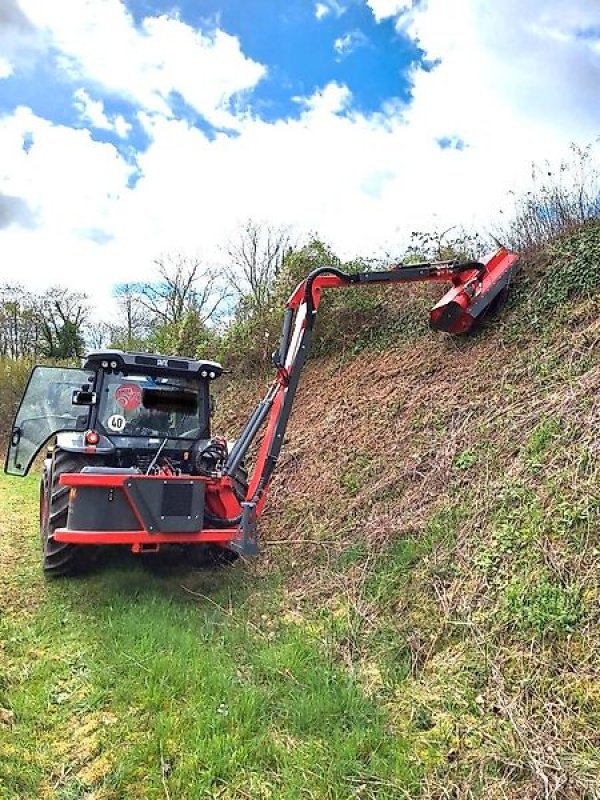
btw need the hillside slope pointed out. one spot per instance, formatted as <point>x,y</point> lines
<point>435,516</point>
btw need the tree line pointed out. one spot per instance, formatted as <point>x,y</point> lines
<point>187,305</point>
<point>191,308</point>
<point>49,324</point>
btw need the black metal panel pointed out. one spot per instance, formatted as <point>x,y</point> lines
<point>449,317</point>
<point>157,363</point>
<point>100,508</point>
<point>177,500</point>
<point>172,505</point>
<point>146,361</point>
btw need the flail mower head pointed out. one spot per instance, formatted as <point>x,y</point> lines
<point>475,292</point>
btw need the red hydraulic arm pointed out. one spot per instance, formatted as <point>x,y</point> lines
<point>475,286</point>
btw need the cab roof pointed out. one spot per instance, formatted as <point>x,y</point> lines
<point>151,363</point>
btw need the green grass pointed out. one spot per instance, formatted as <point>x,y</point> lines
<point>542,606</point>
<point>121,684</point>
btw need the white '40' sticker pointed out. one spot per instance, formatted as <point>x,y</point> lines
<point>116,423</point>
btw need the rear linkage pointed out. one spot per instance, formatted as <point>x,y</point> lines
<point>476,285</point>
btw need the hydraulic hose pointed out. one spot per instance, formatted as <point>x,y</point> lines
<point>308,298</point>
<point>221,522</point>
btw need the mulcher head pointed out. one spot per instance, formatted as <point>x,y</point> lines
<point>474,292</point>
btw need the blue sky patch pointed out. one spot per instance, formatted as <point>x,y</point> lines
<point>300,52</point>
<point>591,33</point>
<point>304,46</point>
<point>451,143</point>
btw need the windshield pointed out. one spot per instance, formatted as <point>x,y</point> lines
<point>141,405</point>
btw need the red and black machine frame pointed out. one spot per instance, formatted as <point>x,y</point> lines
<point>147,511</point>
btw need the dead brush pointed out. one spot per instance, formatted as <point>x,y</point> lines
<point>538,721</point>
<point>562,197</point>
<point>505,435</point>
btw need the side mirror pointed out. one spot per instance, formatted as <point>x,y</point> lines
<point>83,398</point>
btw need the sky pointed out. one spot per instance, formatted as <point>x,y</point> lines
<point>133,129</point>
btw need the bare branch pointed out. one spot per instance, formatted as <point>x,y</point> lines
<point>256,256</point>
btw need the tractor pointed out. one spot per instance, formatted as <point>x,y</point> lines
<point>133,461</point>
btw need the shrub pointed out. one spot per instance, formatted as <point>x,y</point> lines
<point>13,376</point>
<point>254,333</point>
<point>574,269</point>
<point>14,373</point>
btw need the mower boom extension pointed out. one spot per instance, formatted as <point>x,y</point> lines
<point>476,284</point>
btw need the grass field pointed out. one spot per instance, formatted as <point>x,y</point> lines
<point>125,684</point>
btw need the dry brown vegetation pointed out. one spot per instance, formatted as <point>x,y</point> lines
<point>423,621</point>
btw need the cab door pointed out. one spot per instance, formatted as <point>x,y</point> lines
<point>54,400</point>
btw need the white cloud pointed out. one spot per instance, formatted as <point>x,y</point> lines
<point>74,188</point>
<point>515,83</point>
<point>99,42</point>
<point>349,42</point>
<point>383,9</point>
<point>92,111</point>
<point>19,41</point>
<point>332,99</point>
<point>73,181</point>
<point>502,71</point>
<point>335,7</point>
<point>14,211</point>
<point>6,68</point>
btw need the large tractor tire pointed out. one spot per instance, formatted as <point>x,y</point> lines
<point>59,558</point>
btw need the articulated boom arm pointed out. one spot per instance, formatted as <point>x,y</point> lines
<point>475,286</point>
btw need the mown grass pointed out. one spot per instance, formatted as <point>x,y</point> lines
<point>121,684</point>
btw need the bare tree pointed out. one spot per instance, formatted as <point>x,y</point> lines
<point>51,324</point>
<point>185,285</point>
<point>19,333</point>
<point>256,256</point>
<point>99,335</point>
<point>136,322</point>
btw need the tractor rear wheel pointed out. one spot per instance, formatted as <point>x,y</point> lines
<point>59,558</point>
